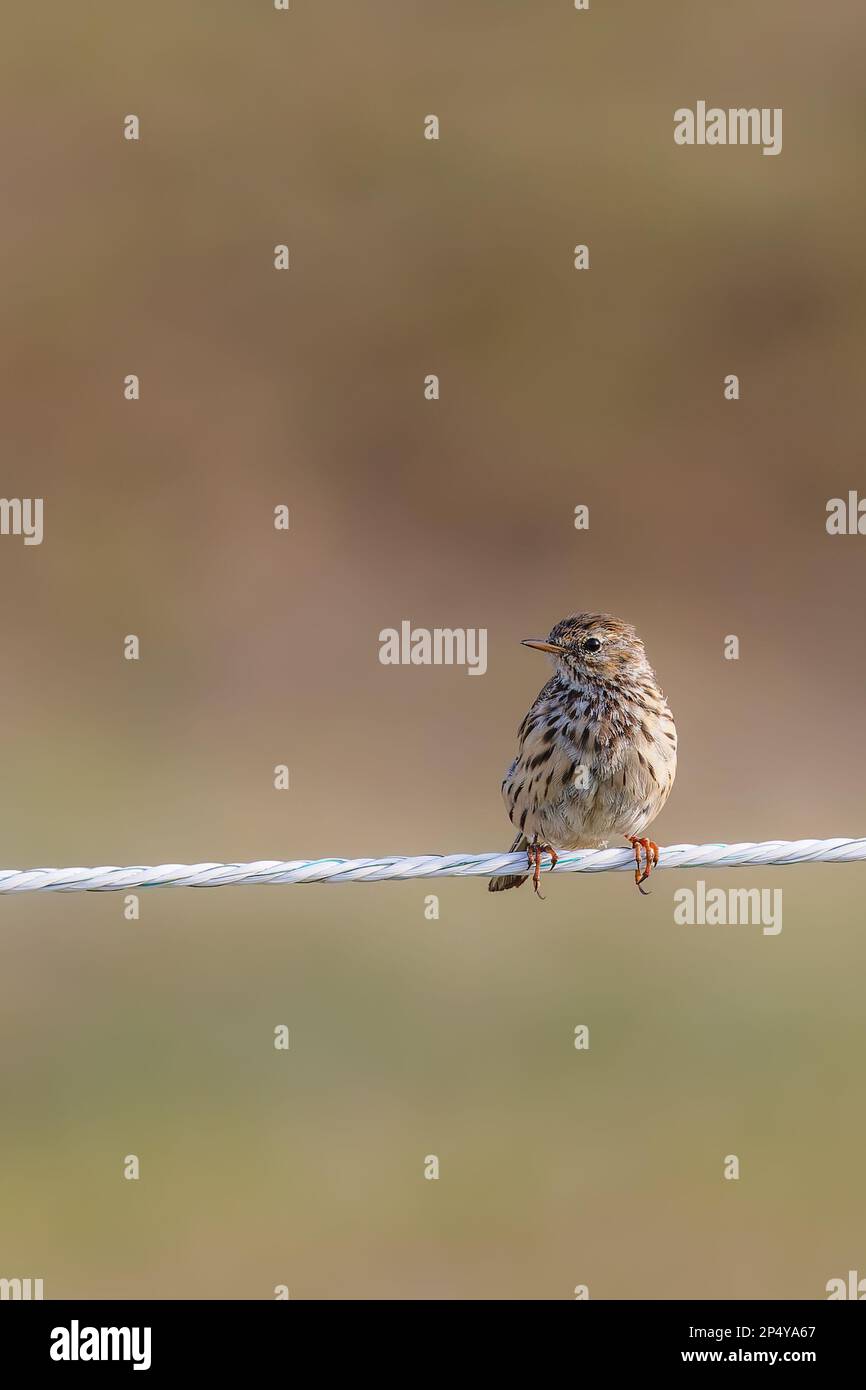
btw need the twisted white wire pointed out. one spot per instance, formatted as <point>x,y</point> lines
<point>583,861</point>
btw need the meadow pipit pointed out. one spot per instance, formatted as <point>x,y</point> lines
<point>597,751</point>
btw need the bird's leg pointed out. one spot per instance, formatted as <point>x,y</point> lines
<point>535,853</point>
<point>651,858</point>
<point>537,874</point>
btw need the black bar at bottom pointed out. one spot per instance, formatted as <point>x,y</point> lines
<point>221,1338</point>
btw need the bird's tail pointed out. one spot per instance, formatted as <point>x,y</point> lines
<point>503,881</point>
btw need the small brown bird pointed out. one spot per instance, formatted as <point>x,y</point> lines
<point>597,752</point>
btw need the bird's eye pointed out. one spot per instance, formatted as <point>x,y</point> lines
<point>591,644</point>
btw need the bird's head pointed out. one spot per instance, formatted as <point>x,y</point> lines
<point>593,648</point>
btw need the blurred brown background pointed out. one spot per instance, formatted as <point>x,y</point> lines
<point>412,1037</point>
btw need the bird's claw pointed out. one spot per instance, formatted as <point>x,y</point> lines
<point>651,858</point>
<point>533,854</point>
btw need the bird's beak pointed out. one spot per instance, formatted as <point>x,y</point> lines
<point>540,646</point>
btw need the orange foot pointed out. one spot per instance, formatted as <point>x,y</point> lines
<point>651,858</point>
<point>534,853</point>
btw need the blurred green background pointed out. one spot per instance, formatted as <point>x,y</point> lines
<point>411,1037</point>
